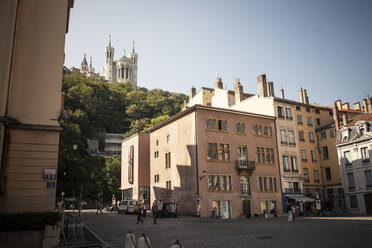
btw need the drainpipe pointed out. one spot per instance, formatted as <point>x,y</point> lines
<point>280,175</point>
<point>196,153</point>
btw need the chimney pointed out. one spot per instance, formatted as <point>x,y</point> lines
<point>346,106</point>
<point>338,103</point>
<point>306,98</point>
<point>218,84</point>
<point>335,116</point>
<point>270,89</point>
<point>357,106</point>
<point>301,96</point>
<point>262,86</point>
<point>239,95</point>
<point>369,104</point>
<point>192,92</point>
<point>282,92</point>
<point>344,119</point>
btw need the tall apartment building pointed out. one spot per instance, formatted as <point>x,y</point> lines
<point>215,160</point>
<point>296,125</point>
<point>354,150</point>
<point>32,53</point>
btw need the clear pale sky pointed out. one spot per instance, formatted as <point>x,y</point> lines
<point>323,46</point>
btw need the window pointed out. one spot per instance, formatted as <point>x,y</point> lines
<point>313,156</point>
<point>131,165</point>
<point>286,163</point>
<point>350,180</point>
<point>328,174</point>
<point>299,119</point>
<point>262,130</point>
<point>311,137</point>
<point>307,109</point>
<point>353,201</point>
<point>222,125</point>
<point>332,132</point>
<point>244,186</point>
<point>240,127</point>
<point>156,178</point>
<point>368,177</point>
<point>294,164</point>
<point>283,136</point>
<point>218,151</point>
<point>267,184</point>
<point>318,121</point>
<point>303,155</point>
<point>156,154</point>
<point>296,187</point>
<point>325,152</point>
<point>323,135</point>
<point>167,160</point>
<point>309,121</point>
<point>280,112</point>
<point>301,135</point>
<point>242,152</point>
<point>168,138</point>
<point>306,175</point>
<point>316,176</point>
<point>317,111</point>
<point>292,141</point>
<point>219,183</point>
<point>347,158</point>
<point>365,155</point>
<point>211,124</point>
<point>298,108</point>
<point>157,142</point>
<point>288,113</point>
<point>169,187</point>
<point>264,155</point>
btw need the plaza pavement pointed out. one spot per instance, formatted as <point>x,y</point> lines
<point>193,232</point>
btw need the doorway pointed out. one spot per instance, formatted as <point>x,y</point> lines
<point>368,202</point>
<point>247,208</point>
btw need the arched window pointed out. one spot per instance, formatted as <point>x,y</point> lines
<point>245,188</point>
<point>131,165</point>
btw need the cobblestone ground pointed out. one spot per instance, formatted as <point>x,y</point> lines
<point>199,232</point>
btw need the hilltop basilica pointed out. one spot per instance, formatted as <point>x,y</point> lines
<point>121,70</point>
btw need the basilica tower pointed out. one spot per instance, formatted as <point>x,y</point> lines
<point>110,69</point>
<point>134,58</point>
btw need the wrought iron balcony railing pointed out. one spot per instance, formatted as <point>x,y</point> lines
<point>245,165</point>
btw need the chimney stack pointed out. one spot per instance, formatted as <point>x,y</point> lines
<point>192,92</point>
<point>239,95</point>
<point>346,106</point>
<point>218,84</point>
<point>369,105</point>
<point>262,86</point>
<point>302,96</point>
<point>270,89</point>
<point>282,92</point>
<point>357,106</point>
<point>344,119</point>
<point>335,116</point>
<point>338,103</point>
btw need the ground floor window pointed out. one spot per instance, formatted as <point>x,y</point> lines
<point>128,194</point>
<point>222,209</point>
<point>353,201</point>
<point>144,195</point>
<point>268,206</point>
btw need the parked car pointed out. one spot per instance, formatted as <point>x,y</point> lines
<point>128,206</point>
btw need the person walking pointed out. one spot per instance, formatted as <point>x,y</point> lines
<point>154,211</point>
<point>139,215</point>
<point>144,210</point>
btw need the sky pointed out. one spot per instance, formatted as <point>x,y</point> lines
<point>323,46</point>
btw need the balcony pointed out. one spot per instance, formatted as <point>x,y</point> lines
<point>245,165</point>
<point>292,191</point>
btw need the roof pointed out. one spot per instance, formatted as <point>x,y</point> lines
<point>361,117</point>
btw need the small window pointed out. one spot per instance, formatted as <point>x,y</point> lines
<point>316,176</point>
<point>288,113</point>
<point>323,135</point>
<point>365,155</point>
<point>325,152</point>
<point>353,201</point>
<point>317,111</point>
<point>328,174</point>
<point>306,175</point>
<point>350,180</point>
<point>309,121</point>
<point>318,121</point>
<point>299,119</point>
<point>157,142</point>
<point>280,112</point>
<point>307,109</point>
<point>298,108</point>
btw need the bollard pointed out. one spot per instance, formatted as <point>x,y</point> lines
<point>79,232</point>
<point>70,229</point>
<point>143,242</point>
<point>130,240</point>
<point>177,244</point>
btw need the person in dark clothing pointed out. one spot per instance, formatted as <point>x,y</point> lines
<point>154,211</point>
<point>139,215</point>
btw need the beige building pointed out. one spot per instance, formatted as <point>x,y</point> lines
<point>212,159</point>
<point>31,62</point>
<point>135,168</point>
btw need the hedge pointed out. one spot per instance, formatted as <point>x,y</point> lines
<point>28,221</point>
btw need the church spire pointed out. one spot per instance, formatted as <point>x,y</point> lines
<point>90,64</point>
<point>133,46</point>
<point>110,40</point>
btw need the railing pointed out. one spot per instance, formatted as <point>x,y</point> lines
<point>247,165</point>
<point>292,191</point>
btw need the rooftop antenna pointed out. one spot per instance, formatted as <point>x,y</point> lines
<point>133,46</point>
<point>110,40</point>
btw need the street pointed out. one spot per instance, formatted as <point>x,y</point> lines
<point>205,232</point>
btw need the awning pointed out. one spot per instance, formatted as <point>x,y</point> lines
<point>301,198</point>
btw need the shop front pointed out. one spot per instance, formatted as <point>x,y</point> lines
<point>298,203</point>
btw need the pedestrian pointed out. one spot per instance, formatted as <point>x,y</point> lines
<point>139,215</point>
<point>154,211</point>
<point>144,210</point>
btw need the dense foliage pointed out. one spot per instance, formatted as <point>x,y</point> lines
<point>28,221</point>
<point>93,107</point>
